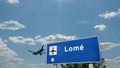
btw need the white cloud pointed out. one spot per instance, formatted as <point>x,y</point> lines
<point>104,46</point>
<point>108,15</point>
<point>8,58</point>
<point>54,38</point>
<point>100,27</point>
<point>40,39</point>
<point>114,60</point>
<point>42,65</point>
<point>108,45</point>
<point>113,63</point>
<point>13,1</point>
<point>21,39</point>
<point>11,25</point>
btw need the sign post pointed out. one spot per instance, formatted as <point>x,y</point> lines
<point>91,65</point>
<point>55,65</point>
<point>75,51</point>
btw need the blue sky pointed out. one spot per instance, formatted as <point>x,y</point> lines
<point>27,24</point>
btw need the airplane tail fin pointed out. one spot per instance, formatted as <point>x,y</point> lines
<point>42,46</point>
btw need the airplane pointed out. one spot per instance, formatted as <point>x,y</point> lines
<point>41,51</point>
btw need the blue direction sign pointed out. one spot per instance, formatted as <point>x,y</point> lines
<point>75,51</point>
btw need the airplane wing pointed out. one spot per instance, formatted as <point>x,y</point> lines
<point>30,51</point>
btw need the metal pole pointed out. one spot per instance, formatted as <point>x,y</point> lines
<point>55,65</point>
<point>91,65</point>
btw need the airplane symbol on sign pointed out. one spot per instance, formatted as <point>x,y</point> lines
<point>53,50</point>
